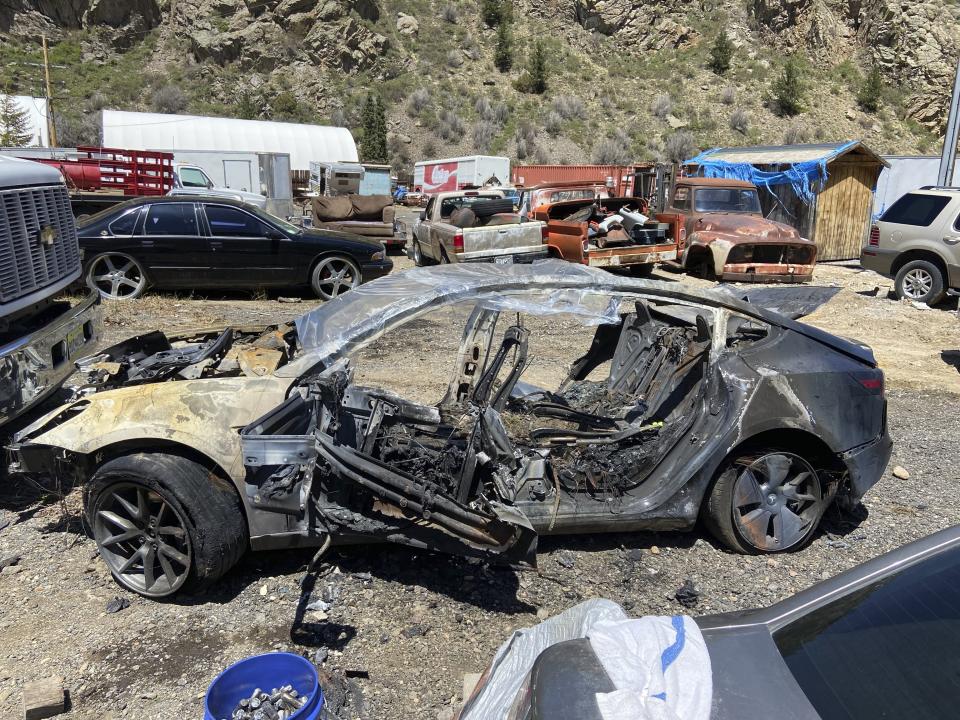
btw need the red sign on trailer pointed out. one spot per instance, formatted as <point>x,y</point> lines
<point>441,177</point>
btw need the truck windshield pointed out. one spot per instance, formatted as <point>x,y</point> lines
<point>887,650</point>
<point>736,200</point>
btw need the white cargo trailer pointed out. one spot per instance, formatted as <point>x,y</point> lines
<point>433,176</point>
<point>258,172</point>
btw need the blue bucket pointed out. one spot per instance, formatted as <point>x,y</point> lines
<point>268,671</point>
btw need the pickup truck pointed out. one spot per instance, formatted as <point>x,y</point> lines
<point>576,231</point>
<point>192,180</point>
<point>476,226</point>
<point>724,234</point>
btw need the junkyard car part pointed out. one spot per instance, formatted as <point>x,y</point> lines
<point>682,404</point>
<point>844,649</point>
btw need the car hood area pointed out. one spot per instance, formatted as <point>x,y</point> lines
<point>745,228</point>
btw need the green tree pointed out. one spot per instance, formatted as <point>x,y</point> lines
<point>503,55</point>
<point>534,78</point>
<point>492,12</point>
<point>788,88</point>
<point>16,129</point>
<point>721,54</point>
<point>373,125</point>
<point>869,96</point>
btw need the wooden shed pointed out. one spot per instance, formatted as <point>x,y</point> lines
<point>823,190</point>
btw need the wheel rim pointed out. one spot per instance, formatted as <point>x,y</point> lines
<point>117,277</point>
<point>776,501</point>
<point>143,539</point>
<point>917,283</point>
<point>417,256</point>
<point>335,276</point>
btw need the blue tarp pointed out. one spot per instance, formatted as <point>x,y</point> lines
<point>806,178</point>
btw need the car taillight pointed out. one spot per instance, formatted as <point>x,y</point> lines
<point>871,381</point>
<point>875,236</point>
<point>458,242</point>
<point>544,233</point>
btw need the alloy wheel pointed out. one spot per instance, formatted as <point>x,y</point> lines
<point>143,539</point>
<point>917,283</point>
<point>117,277</point>
<point>335,276</point>
<point>776,501</point>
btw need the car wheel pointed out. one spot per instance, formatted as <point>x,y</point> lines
<point>163,523</point>
<point>920,280</point>
<point>419,259</point>
<point>333,276</point>
<point>116,276</point>
<point>765,502</point>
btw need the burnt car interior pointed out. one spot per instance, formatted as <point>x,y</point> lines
<point>454,473</point>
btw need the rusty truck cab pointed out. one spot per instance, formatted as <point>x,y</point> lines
<point>725,235</point>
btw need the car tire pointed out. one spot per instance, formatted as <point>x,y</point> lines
<point>334,275</point>
<point>921,281</point>
<point>116,276</point>
<point>419,259</point>
<point>765,501</point>
<point>168,510</point>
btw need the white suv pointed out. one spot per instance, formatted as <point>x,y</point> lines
<point>917,242</point>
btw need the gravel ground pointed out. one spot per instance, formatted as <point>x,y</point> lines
<point>404,627</point>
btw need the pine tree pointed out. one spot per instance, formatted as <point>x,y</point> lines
<point>503,55</point>
<point>869,96</point>
<point>721,54</point>
<point>492,12</point>
<point>788,88</point>
<point>373,123</point>
<point>536,79</point>
<point>16,129</point>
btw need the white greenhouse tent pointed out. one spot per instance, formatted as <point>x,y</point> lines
<point>156,131</point>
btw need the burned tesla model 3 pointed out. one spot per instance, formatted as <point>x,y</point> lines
<point>680,405</point>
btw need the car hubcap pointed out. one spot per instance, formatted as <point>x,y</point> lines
<point>143,539</point>
<point>116,277</point>
<point>917,283</point>
<point>335,277</point>
<point>776,500</point>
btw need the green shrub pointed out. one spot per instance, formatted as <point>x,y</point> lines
<point>871,91</point>
<point>721,54</point>
<point>788,88</point>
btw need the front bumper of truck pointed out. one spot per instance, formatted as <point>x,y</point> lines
<point>34,365</point>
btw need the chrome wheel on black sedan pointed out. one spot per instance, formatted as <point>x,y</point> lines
<point>116,276</point>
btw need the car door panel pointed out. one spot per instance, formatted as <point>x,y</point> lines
<point>243,250</point>
<point>171,245</point>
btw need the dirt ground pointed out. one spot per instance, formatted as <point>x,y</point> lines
<point>403,627</point>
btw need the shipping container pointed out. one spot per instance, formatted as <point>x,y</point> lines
<point>432,176</point>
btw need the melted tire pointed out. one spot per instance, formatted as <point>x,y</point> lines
<point>208,504</point>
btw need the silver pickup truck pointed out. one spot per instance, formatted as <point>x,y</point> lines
<point>476,226</point>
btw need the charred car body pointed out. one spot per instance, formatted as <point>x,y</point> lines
<point>725,235</point>
<point>683,405</point>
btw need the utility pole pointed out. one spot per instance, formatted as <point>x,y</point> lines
<point>947,159</point>
<point>51,125</point>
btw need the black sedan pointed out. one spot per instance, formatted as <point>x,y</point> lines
<point>174,242</point>
<point>877,641</point>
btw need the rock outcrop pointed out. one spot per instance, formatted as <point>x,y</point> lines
<point>636,26</point>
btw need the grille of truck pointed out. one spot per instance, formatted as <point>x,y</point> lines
<point>29,258</point>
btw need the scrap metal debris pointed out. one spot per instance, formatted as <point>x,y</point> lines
<point>278,704</point>
<point>117,604</point>
<point>687,595</point>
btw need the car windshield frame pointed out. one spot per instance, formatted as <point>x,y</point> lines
<point>272,219</point>
<point>873,652</point>
<point>703,192</point>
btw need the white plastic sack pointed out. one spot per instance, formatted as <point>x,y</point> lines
<point>659,665</point>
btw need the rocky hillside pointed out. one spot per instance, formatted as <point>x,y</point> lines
<point>627,80</point>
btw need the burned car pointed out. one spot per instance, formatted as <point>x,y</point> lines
<point>679,405</point>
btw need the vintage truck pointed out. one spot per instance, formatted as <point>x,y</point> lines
<point>476,226</point>
<point>724,234</point>
<point>572,210</point>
